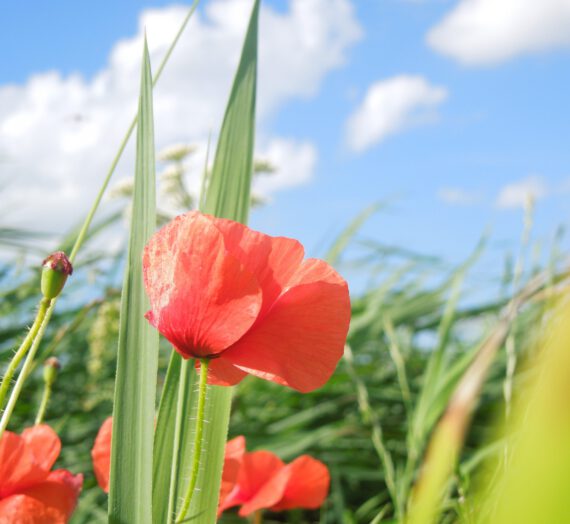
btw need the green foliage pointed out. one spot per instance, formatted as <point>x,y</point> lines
<point>403,307</point>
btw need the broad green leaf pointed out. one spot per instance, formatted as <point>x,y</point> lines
<point>230,182</point>
<point>534,485</point>
<point>228,196</point>
<point>163,441</point>
<point>130,492</point>
<point>169,467</point>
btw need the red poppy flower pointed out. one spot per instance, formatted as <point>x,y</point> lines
<point>29,492</point>
<point>265,482</point>
<point>247,301</point>
<point>101,454</point>
<point>235,450</point>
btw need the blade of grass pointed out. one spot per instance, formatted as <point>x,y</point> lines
<point>163,451</point>
<point>229,188</point>
<point>419,430</point>
<point>534,486</point>
<point>448,437</point>
<point>370,418</point>
<point>227,196</point>
<point>399,362</point>
<point>130,491</point>
<point>348,234</point>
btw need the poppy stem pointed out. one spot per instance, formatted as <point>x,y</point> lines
<point>38,335</point>
<point>202,390</point>
<point>43,405</point>
<point>23,349</point>
<point>258,517</point>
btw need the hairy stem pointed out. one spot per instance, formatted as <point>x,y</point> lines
<point>202,390</point>
<point>43,405</point>
<point>23,349</point>
<point>25,369</point>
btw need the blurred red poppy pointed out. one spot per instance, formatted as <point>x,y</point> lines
<point>264,481</point>
<point>101,454</point>
<point>247,301</point>
<point>235,450</point>
<point>29,492</point>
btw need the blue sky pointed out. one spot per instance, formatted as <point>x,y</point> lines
<point>483,124</point>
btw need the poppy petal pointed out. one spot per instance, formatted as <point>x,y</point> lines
<point>101,454</point>
<point>44,445</point>
<point>307,484</point>
<point>301,339</point>
<point>202,298</point>
<point>221,372</point>
<point>235,450</point>
<point>50,502</point>
<point>18,467</point>
<point>257,469</point>
<point>273,260</point>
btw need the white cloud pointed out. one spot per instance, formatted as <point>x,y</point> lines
<point>295,162</point>
<point>519,193</point>
<point>480,32</point>
<point>58,134</point>
<point>457,196</point>
<point>391,106</point>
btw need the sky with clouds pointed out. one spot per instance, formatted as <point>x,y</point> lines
<point>451,111</point>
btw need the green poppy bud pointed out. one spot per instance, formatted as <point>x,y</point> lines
<point>56,269</point>
<point>51,368</point>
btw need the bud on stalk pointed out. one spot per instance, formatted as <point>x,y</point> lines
<point>56,269</point>
<point>51,368</point>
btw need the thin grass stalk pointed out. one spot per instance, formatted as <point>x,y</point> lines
<point>84,228</point>
<point>419,429</point>
<point>510,342</point>
<point>399,362</point>
<point>369,417</point>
